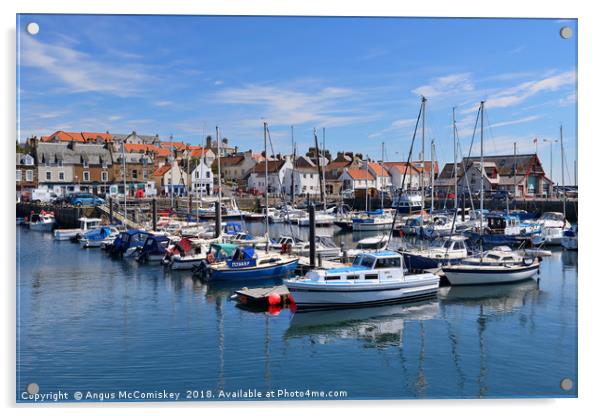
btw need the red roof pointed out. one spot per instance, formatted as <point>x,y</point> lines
<point>139,147</point>
<point>378,169</point>
<point>162,170</point>
<point>86,136</point>
<point>360,174</point>
<point>177,145</point>
<point>402,167</point>
<point>199,152</point>
<point>273,166</point>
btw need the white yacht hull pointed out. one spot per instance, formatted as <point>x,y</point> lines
<point>319,295</point>
<point>62,235</point>
<point>461,275</point>
<point>186,263</point>
<point>360,226</point>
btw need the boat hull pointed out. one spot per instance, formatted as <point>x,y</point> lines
<point>363,226</point>
<point>184,263</point>
<point>327,296</point>
<point>418,262</point>
<point>569,243</point>
<point>255,273</point>
<point>63,235</point>
<point>476,276</point>
<point>41,226</point>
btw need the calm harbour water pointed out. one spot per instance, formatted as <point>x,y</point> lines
<point>90,323</point>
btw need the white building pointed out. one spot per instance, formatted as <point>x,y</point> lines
<point>398,169</point>
<point>201,177</point>
<point>357,179</point>
<point>277,170</point>
<point>383,179</point>
<point>306,180</point>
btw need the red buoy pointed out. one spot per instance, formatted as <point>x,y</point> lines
<point>274,299</point>
<point>274,310</point>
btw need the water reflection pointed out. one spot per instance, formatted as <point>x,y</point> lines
<point>380,326</point>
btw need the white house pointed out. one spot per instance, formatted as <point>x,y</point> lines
<point>398,169</point>
<point>277,170</point>
<point>171,178</point>
<point>306,180</point>
<point>383,179</point>
<point>357,179</point>
<point>201,177</point>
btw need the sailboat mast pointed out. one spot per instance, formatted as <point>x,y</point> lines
<point>562,167</point>
<point>317,153</point>
<point>219,167</point>
<point>267,188</point>
<point>514,173</point>
<point>382,178</point>
<point>432,176</point>
<point>422,160</point>
<point>323,176</point>
<point>455,162</point>
<point>125,192</point>
<point>482,171</point>
<point>294,163</point>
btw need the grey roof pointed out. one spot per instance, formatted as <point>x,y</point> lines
<point>147,139</point>
<point>19,158</point>
<point>73,153</point>
<point>133,158</point>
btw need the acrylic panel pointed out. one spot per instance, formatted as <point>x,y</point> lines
<point>295,208</point>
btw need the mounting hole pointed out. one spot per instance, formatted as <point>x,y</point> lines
<point>33,388</point>
<point>566,384</point>
<point>566,32</point>
<point>33,28</point>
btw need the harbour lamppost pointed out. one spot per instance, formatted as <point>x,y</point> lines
<point>551,141</point>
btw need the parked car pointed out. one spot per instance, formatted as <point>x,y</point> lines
<point>79,199</point>
<point>502,194</point>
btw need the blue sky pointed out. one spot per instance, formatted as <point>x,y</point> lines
<point>360,78</point>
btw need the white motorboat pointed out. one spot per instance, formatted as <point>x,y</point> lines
<point>246,239</point>
<point>86,224</point>
<point>448,251</point>
<point>378,220</point>
<point>408,202</point>
<point>98,237</point>
<point>325,247</point>
<point>374,278</point>
<point>439,226</point>
<point>553,225</point>
<point>570,239</point>
<point>44,221</point>
<point>498,265</point>
<point>368,244</point>
<point>322,219</point>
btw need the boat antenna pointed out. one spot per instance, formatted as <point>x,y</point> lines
<point>267,188</point>
<point>482,178</point>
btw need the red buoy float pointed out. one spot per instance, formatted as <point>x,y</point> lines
<point>274,299</point>
<point>274,310</point>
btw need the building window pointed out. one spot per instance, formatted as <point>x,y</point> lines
<point>208,174</point>
<point>60,163</point>
<point>135,173</point>
<point>29,175</point>
<point>61,176</point>
<point>86,176</point>
<point>48,176</point>
<point>19,175</point>
<point>104,164</point>
<point>86,164</point>
<point>104,176</point>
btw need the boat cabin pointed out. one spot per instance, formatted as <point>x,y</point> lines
<point>379,267</point>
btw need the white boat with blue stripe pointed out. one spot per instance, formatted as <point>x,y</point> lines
<point>374,278</point>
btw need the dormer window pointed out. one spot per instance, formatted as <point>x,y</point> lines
<point>86,164</point>
<point>104,164</point>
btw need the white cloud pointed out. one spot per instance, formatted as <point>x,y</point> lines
<point>286,105</point>
<point>80,71</point>
<point>396,125</point>
<point>218,82</point>
<point>163,103</point>
<point>447,85</point>
<point>517,121</point>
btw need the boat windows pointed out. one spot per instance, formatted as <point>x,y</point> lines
<point>387,263</point>
<point>366,261</point>
<point>352,277</point>
<point>371,277</point>
<point>332,277</point>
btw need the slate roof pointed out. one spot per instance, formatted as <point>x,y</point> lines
<point>95,154</point>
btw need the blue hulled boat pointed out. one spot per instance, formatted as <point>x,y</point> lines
<point>502,229</point>
<point>248,264</point>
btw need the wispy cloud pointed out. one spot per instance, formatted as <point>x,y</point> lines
<point>517,121</point>
<point>218,82</point>
<point>396,125</point>
<point>287,105</point>
<point>80,71</point>
<point>163,103</point>
<point>446,85</point>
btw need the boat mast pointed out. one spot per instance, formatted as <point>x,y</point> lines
<point>455,162</point>
<point>219,167</point>
<point>562,167</point>
<point>267,189</point>
<point>317,153</point>
<point>125,192</point>
<point>514,173</point>
<point>432,176</point>
<point>422,162</point>
<point>482,176</point>
<point>294,163</point>
<point>323,176</point>
<point>382,161</point>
